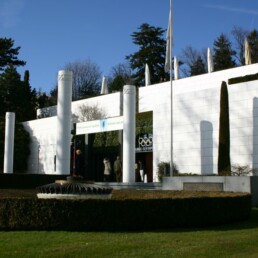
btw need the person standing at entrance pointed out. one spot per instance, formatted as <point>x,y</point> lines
<point>118,169</point>
<point>141,169</point>
<point>107,170</point>
<point>79,164</point>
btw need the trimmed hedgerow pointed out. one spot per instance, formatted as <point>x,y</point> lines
<point>116,215</point>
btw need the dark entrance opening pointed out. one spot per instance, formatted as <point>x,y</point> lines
<point>109,144</point>
<point>100,146</point>
<point>146,159</point>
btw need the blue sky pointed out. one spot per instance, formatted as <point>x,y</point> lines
<point>52,33</point>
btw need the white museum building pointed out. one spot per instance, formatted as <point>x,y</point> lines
<point>195,113</point>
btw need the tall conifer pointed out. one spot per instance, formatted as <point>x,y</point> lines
<point>224,165</point>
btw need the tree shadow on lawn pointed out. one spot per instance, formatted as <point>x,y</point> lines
<point>251,223</point>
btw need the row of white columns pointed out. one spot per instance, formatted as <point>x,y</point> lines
<point>63,133</point>
<point>64,127</point>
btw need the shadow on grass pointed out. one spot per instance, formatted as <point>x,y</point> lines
<point>251,223</point>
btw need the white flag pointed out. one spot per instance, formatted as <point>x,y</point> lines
<point>169,42</point>
<point>247,53</point>
<point>176,68</point>
<point>104,87</point>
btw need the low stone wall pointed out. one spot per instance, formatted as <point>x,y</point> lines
<point>203,187</point>
<point>138,185</point>
<point>243,184</point>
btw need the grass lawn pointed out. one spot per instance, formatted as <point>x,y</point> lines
<point>236,240</point>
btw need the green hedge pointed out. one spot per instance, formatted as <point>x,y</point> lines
<point>117,215</point>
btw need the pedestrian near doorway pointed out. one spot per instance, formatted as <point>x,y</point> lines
<point>107,170</point>
<point>141,169</point>
<point>79,164</point>
<point>118,169</point>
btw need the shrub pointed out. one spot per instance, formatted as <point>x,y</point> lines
<point>127,214</point>
<point>164,170</point>
<point>238,170</point>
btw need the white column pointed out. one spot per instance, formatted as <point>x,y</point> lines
<point>63,134</point>
<point>9,142</point>
<point>176,68</point>
<point>129,134</point>
<point>210,61</point>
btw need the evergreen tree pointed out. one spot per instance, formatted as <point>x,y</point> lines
<point>224,165</point>
<point>152,48</point>
<point>189,60</point>
<point>198,67</point>
<point>53,97</point>
<point>120,76</point>
<point>117,84</point>
<point>223,54</point>
<point>29,98</point>
<point>253,43</point>
<point>10,81</point>
<point>8,54</point>
<point>21,147</point>
<point>16,95</point>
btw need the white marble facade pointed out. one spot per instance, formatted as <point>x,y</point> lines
<point>196,102</point>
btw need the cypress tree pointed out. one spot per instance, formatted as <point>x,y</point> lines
<point>224,166</point>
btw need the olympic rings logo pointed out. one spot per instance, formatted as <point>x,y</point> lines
<point>145,142</point>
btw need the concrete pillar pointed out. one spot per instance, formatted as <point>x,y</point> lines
<point>129,134</point>
<point>63,134</point>
<point>9,142</point>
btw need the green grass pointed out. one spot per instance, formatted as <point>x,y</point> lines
<point>235,240</point>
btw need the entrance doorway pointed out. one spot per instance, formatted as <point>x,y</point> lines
<point>100,146</point>
<point>146,159</point>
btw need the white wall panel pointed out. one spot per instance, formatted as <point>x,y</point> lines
<point>196,109</point>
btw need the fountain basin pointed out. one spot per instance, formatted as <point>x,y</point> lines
<point>73,189</point>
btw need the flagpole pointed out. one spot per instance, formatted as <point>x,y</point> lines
<point>171,92</point>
